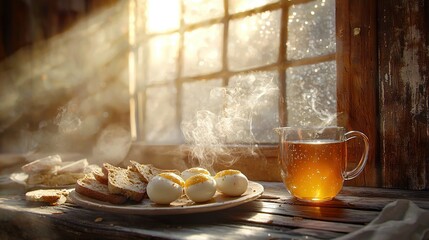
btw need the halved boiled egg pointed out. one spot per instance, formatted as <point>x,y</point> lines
<point>200,187</point>
<point>165,188</point>
<point>231,182</point>
<point>193,171</point>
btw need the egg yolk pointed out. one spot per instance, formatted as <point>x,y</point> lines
<point>227,172</point>
<point>199,178</point>
<point>172,177</point>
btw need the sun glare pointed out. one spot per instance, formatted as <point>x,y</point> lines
<point>162,15</point>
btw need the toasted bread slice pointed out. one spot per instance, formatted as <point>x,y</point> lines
<point>90,187</point>
<point>148,171</point>
<point>125,182</point>
<point>42,165</point>
<point>100,176</point>
<point>51,196</point>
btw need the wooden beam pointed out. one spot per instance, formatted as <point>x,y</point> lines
<point>356,84</point>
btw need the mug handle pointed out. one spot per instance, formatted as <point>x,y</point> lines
<point>348,175</point>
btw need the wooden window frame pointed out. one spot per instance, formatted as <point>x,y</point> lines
<point>356,94</point>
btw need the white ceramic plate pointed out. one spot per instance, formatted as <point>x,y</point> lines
<point>21,178</point>
<point>180,206</point>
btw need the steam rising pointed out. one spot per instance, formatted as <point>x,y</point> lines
<point>112,145</point>
<point>210,135</point>
<point>67,121</point>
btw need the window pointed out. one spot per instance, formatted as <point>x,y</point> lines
<point>228,72</point>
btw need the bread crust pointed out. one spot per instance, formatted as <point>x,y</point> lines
<point>100,176</point>
<point>92,188</point>
<point>51,196</point>
<point>148,171</point>
<point>115,184</point>
<point>125,182</point>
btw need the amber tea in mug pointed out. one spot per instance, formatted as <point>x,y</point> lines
<point>313,161</point>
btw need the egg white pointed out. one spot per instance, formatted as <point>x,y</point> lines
<point>232,183</point>
<point>201,191</point>
<point>162,190</point>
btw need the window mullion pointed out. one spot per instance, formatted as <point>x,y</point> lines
<point>280,61</point>
<point>226,20</point>
<point>178,82</point>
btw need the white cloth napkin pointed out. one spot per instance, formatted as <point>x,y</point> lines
<point>401,219</point>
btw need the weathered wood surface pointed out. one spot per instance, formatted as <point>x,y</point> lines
<point>275,215</point>
<point>356,22</point>
<point>404,93</point>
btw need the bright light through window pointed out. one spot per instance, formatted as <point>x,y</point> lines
<point>219,73</point>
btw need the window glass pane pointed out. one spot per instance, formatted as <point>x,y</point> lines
<point>200,10</point>
<point>311,95</point>
<point>251,108</point>
<point>311,29</point>
<point>161,120</point>
<point>163,55</point>
<point>254,40</point>
<point>203,50</point>
<point>243,5</point>
<point>162,15</point>
<point>197,96</point>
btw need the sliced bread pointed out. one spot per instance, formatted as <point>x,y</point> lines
<point>100,176</point>
<point>51,196</point>
<point>148,171</point>
<point>125,182</point>
<point>90,187</point>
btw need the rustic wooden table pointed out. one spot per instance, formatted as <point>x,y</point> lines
<point>274,215</point>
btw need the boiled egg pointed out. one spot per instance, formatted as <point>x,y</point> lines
<point>200,187</point>
<point>193,171</point>
<point>165,188</point>
<point>231,182</point>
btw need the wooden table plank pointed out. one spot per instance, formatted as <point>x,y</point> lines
<point>385,193</point>
<point>344,215</point>
<point>299,222</point>
<point>351,202</point>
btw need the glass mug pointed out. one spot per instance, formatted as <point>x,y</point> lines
<point>314,161</point>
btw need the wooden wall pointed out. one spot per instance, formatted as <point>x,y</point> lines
<point>383,87</point>
<point>403,90</point>
<point>356,81</point>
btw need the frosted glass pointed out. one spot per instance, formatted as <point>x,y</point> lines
<point>162,15</point>
<point>311,95</point>
<point>254,40</point>
<point>163,57</point>
<point>203,50</point>
<point>251,108</point>
<point>311,29</point>
<point>236,6</point>
<point>161,121</point>
<point>200,10</point>
<point>197,96</point>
